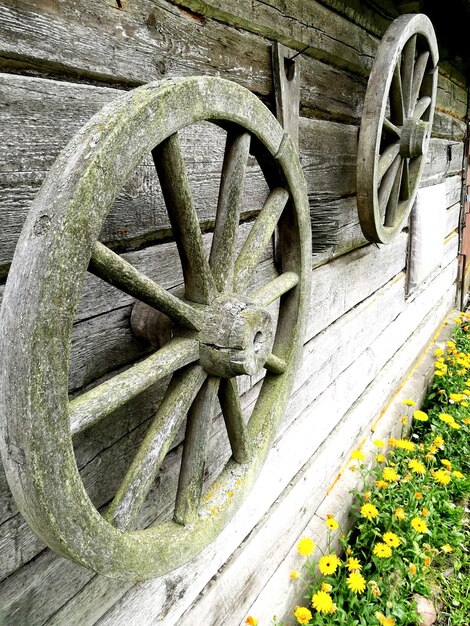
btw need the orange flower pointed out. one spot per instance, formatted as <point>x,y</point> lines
<point>251,621</point>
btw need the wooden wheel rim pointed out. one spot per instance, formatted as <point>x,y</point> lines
<point>405,44</point>
<point>38,309</point>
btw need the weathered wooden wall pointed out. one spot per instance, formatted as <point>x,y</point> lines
<point>60,62</point>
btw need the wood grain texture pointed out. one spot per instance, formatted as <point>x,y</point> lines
<point>38,119</point>
<point>291,24</point>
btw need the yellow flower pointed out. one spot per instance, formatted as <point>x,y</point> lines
<point>367,495</point>
<point>439,441</point>
<point>251,621</point>
<point>302,614</point>
<point>417,467</point>
<point>384,621</point>
<point>399,513</point>
<point>322,602</point>
<point>457,474</point>
<point>294,575</point>
<point>409,402</point>
<point>412,569</point>
<point>454,425</point>
<point>328,564</point>
<point>427,561</point>
<point>305,546</point>
<point>390,475</point>
<point>331,523</point>
<point>404,419</point>
<point>357,455</point>
<point>442,476</point>
<point>356,582</point>
<point>405,444</point>
<point>456,397</point>
<point>326,587</point>
<point>381,484</point>
<point>447,548</point>
<point>419,524</point>
<point>418,495</point>
<point>447,463</point>
<point>421,416</point>
<point>466,420</point>
<point>391,539</point>
<point>353,563</point>
<point>424,512</point>
<point>379,443</point>
<point>464,403</point>
<point>438,352</point>
<point>381,458</point>
<point>369,511</point>
<point>445,417</point>
<point>382,550</point>
<point>392,442</point>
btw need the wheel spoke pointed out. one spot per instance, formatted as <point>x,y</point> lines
<point>405,181</point>
<point>391,128</point>
<point>273,290</point>
<point>96,404</point>
<point>387,184</point>
<point>421,106</point>
<point>418,76</point>
<point>392,205</point>
<point>199,284</point>
<point>222,254</point>
<point>275,364</point>
<point>407,69</point>
<point>386,159</point>
<point>196,439</point>
<point>112,268</point>
<point>259,237</point>
<point>397,114</point>
<point>156,443</point>
<point>229,399</point>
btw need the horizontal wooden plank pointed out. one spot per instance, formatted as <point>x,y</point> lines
<point>142,42</point>
<point>453,189</point>
<point>444,159</point>
<point>446,126</point>
<point>452,218</point>
<point>451,97</point>
<point>340,285</point>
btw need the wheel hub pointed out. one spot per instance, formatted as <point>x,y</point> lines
<point>237,338</point>
<point>413,138</point>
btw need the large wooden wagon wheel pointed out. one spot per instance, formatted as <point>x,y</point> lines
<point>396,126</point>
<point>221,328</point>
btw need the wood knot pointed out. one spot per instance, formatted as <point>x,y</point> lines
<point>42,225</point>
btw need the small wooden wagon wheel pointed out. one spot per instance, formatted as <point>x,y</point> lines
<point>396,126</point>
<point>222,329</point>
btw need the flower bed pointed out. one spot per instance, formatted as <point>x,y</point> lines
<point>409,514</point>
